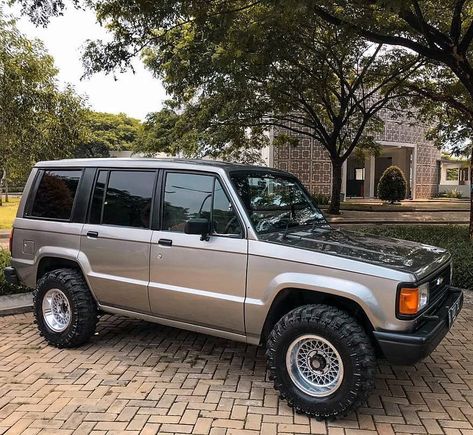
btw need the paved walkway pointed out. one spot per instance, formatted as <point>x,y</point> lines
<point>136,376</point>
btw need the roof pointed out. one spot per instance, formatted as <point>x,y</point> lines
<point>151,163</point>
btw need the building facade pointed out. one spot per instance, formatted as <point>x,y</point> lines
<point>455,180</point>
<point>402,144</point>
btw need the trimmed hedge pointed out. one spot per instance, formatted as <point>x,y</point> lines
<point>5,288</point>
<point>454,238</point>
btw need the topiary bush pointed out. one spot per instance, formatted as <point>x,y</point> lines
<point>392,186</point>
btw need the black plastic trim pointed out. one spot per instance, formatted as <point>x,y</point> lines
<point>10,275</point>
<point>408,348</point>
<point>84,191</point>
<point>157,206</point>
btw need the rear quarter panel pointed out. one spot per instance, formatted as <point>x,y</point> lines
<point>35,239</point>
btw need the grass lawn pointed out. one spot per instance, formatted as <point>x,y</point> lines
<point>454,238</point>
<point>8,213</point>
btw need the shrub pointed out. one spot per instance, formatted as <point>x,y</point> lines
<point>321,199</point>
<point>392,186</point>
<point>454,238</point>
<point>5,288</point>
<point>453,194</point>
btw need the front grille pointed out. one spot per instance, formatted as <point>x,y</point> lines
<point>439,284</point>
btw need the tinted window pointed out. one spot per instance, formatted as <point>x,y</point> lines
<point>127,199</point>
<point>55,195</point>
<point>224,218</point>
<point>186,196</point>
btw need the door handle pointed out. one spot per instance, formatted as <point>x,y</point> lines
<point>92,234</point>
<point>165,242</point>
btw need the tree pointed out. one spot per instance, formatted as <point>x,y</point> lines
<point>237,68</point>
<point>105,132</point>
<point>440,31</point>
<point>37,120</point>
<point>183,134</point>
<point>392,185</point>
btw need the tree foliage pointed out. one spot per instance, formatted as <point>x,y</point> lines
<point>105,132</point>
<point>38,120</point>
<point>392,185</point>
<point>237,68</point>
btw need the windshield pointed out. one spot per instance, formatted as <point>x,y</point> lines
<point>275,202</point>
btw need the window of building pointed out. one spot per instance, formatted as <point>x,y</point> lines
<point>359,174</point>
<point>464,174</point>
<point>55,195</point>
<point>452,174</point>
<point>124,200</point>
<point>188,196</point>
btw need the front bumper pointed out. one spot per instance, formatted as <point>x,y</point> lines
<point>10,275</point>
<point>408,348</point>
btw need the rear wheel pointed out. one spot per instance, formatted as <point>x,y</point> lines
<point>65,311</point>
<point>321,361</point>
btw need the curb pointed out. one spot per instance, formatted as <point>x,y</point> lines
<point>16,304</point>
<point>385,222</point>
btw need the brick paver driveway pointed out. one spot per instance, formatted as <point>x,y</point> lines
<point>136,376</point>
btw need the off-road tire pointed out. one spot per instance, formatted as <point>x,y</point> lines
<point>353,346</point>
<point>84,314</point>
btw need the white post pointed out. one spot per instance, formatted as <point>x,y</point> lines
<point>414,172</point>
<point>344,180</point>
<point>372,176</point>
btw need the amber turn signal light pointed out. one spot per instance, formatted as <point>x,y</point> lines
<point>409,301</point>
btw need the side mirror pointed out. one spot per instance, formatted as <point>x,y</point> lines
<point>198,226</point>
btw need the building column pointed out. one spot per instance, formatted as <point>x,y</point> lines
<point>372,175</point>
<point>344,181</point>
<point>414,172</point>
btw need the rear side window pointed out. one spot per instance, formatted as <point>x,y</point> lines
<point>56,193</point>
<point>123,198</point>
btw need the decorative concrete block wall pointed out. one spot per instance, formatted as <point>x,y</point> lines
<point>311,163</point>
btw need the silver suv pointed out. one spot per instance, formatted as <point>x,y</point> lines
<point>235,251</point>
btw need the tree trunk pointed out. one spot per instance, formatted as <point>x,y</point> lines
<point>5,184</point>
<point>334,207</point>
<point>471,195</point>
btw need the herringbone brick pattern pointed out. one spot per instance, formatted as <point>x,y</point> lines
<point>139,377</point>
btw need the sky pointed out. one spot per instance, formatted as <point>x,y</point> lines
<point>134,94</point>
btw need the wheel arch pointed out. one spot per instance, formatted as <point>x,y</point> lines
<point>292,297</point>
<point>49,263</point>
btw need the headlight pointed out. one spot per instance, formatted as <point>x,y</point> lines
<point>412,300</point>
<point>423,295</point>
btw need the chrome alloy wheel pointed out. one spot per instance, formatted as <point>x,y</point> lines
<point>56,310</point>
<point>314,365</point>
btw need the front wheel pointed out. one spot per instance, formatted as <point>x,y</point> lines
<point>321,360</point>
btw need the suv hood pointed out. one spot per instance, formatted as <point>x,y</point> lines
<point>415,258</point>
